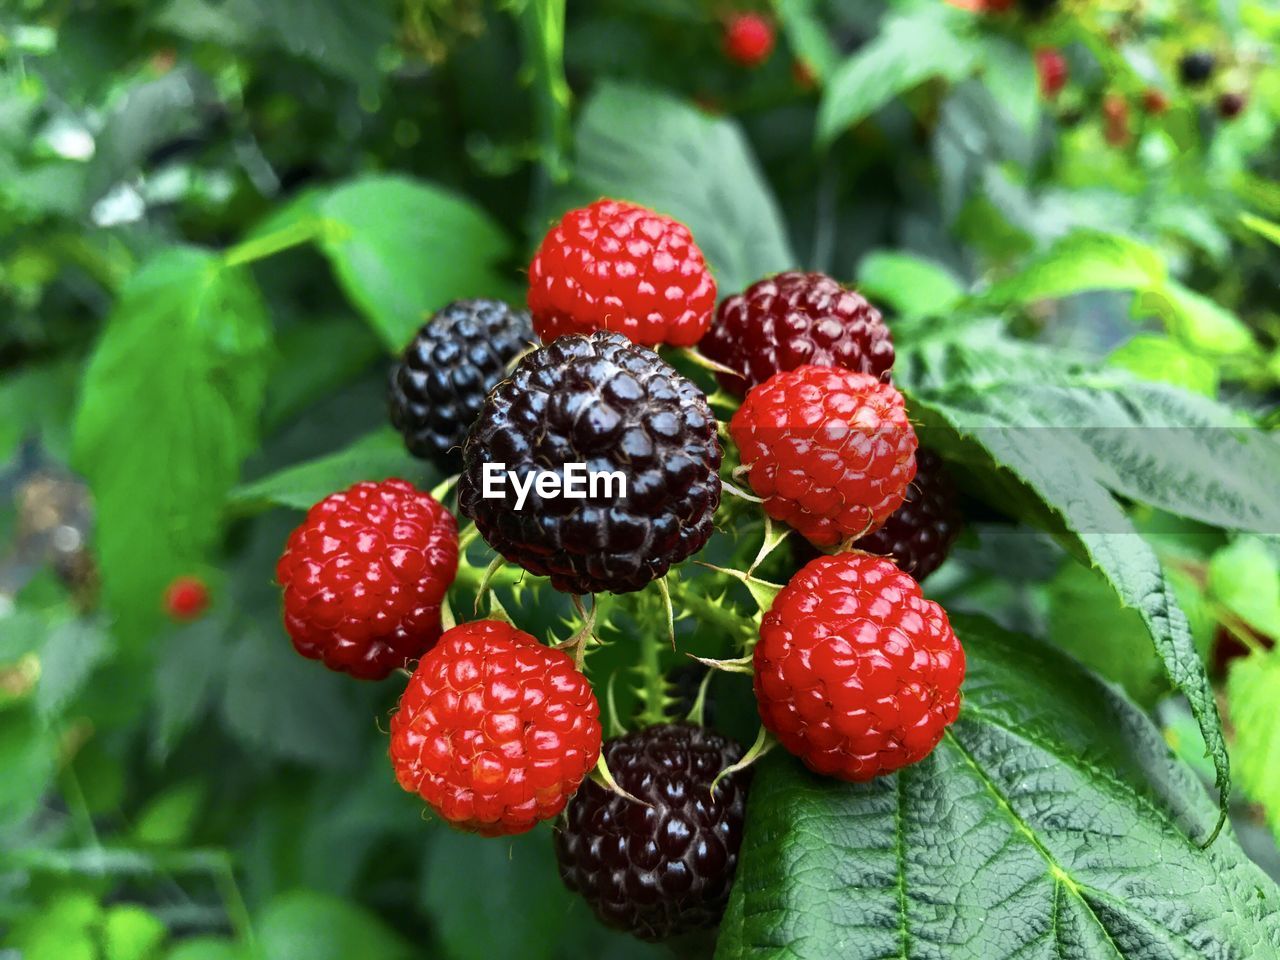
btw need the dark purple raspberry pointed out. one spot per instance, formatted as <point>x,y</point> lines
<point>602,401</point>
<point>792,319</point>
<point>666,869</point>
<point>919,534</point>
<point>440,384</point>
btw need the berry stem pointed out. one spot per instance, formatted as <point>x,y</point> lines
<point>653,690</point>
<point>542,24</point>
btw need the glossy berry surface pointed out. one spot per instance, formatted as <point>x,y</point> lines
<point>601,401</point>
<point>364,576</point>
<point>785,321</point>
<point>919,534</point>
<point>1052,69</point>
<point>439,385</point>
<point>621,267</point>
<point>1195,68</point>
<point>830,451</point>
<point>855,672</point>
<point>495,731</point>
<point>665,869</point>
<point>186,598</point>
<point>748,39</point>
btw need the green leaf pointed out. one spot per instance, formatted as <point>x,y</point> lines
<point>1082,261</point>
<point>912,285</point>
<point>191,665</point>
<point>130,933</point>
<point>1009,73</point>
<point>808,36</point>
<point>168,410</point>
<point>1253,690</point>
<point>1160,359</point>
<point>169,818</point>
<point>207,948</point>
<point>1197,321</point>
<point>343,36</point>
<point>1244,577</point>
<point>687,165</point>
<point>1050,822</point>
<point>1087,621</point>
<point>28,754</point>
<point>67,659</point>
<point>907,51</point>
<point>1259,225</point>
<point>319,927</point>
<point>376,456</point>
<point>402,249</point>
<point>281,705</point>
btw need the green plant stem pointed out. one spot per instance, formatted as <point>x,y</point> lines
<point>654,690</point>
<point>259,248</point>
<point>686,599</point>
<point>542,33</point>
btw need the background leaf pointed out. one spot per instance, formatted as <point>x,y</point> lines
<point>189,338</point>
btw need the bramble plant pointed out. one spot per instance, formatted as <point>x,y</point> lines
<point>757,479</point>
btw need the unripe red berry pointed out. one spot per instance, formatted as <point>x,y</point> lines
<point>495,731</point>
<point>856,673</point>
<point>1115,112</point>
<point>186,598</point>
<point>1053,71</point>
<point>748,39</point>
<point>1154,102</point>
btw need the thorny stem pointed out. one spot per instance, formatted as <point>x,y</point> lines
<point>653,692</point>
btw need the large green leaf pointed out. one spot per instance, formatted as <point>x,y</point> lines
<point>1050,822</point>
<point>1253,691</point>
<point>376,456</point>
<point>307,924</point>
<point>687,165</point>
<point>402,249</point>
<point>168,409</point>
<point>907,51</point>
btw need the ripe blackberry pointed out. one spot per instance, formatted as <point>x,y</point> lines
<point>919,534</point>
<point>618,266</point>
<point>785,321</point>
<point>665,869</point>
<point>1196,67</point>
<point>440,384</point>
<point>617,408</point>
<point>1231,105</point>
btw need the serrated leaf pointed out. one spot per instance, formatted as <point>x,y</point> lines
<point>808,37</point>
<point>1082,261</point>
<point>191,665</point>
<point>68,657</point>
<point>687,165</point>
<point>1197,321</point>
<point>377,456</point>
<point>1050,822</point>
<point>912,285</point>
<point>907,51</point>
<point>403,248</point>
<point>168,410</point>
<point>1253,690</point>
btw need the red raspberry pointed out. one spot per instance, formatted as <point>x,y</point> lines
<point>186,598</point>
<point>364,576</point>
<point>784,321</point>
<point>748,39</point>
<point>855,672</point>
<point>830,451</point>
<point>1052,69</point>
<point>495,731</point>
<point>617,266</point>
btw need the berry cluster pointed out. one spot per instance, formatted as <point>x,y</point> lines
<point>856,673</point>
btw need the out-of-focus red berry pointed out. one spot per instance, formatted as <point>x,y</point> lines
<point>186,598</point>
<point>1051,67</point>
<point>748,39</point>
<point>1231,105</point>
<point>1115,112</point>
<point>1154,102</point>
